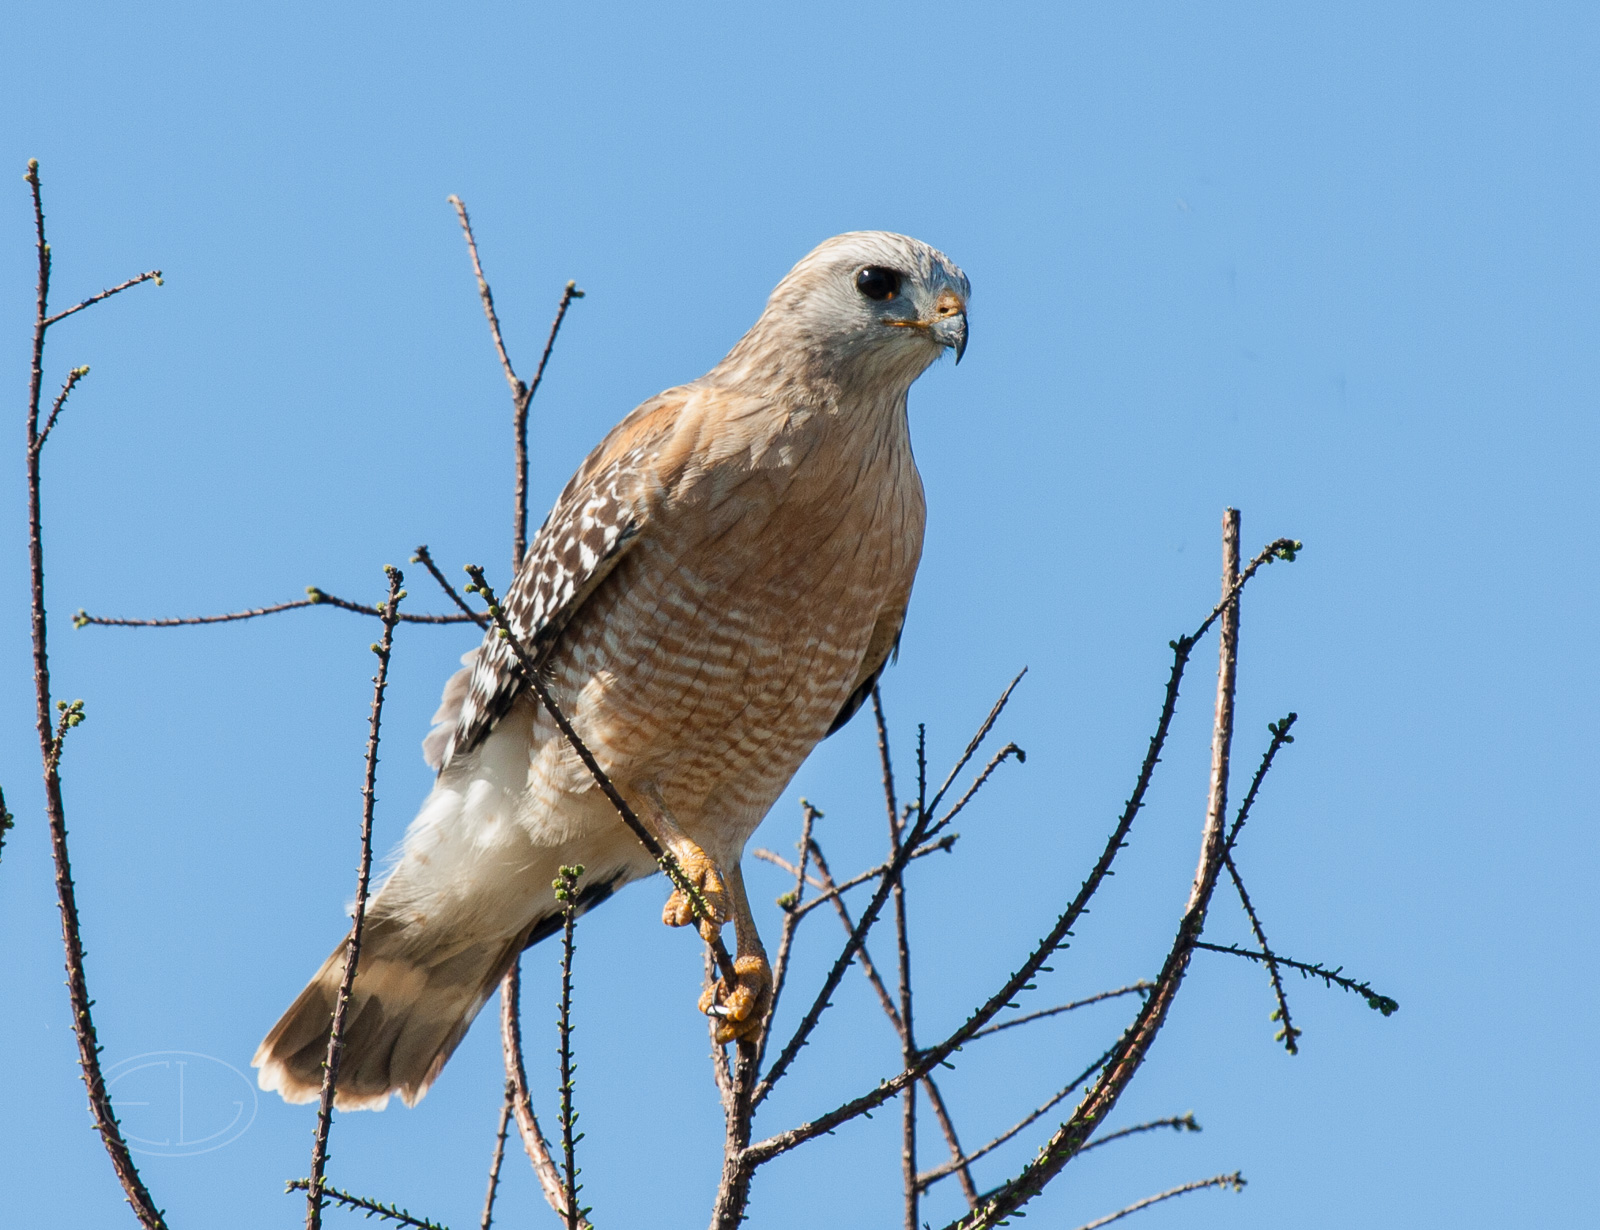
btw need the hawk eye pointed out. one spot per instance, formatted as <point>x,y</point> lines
<point>876,282</point>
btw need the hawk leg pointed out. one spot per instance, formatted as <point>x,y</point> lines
<point>741,1010</point>
<point>698,867</point>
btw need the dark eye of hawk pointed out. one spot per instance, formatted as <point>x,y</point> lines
<point>876,282</point>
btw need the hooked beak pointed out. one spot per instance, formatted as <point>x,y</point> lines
<point>951,331</point>
<point>950,327</point>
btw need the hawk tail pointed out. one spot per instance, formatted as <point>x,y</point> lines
<point>404,1020</point>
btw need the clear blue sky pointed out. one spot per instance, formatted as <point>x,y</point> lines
<point>1336,268</point>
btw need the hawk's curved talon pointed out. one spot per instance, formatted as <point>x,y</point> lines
<point>740,1012</point>
<point>707,880</point>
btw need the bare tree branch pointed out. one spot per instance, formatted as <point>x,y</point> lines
<point>913,840</point>
<point>314,597</point>
<point>941,845</point>
<point>518,389</point>
<point>1131,1049</point>
<point>1330,977</point>
<point>75,375</point>
<point>153,275</point>
<point>566,886</point>
<point>7,822</point>
<point>1178,1123</point>
<point>533,1141</point>
<point>372,1208</point>
<point>519,423</point>
<point>790,902</point>
<point>422,557</point>
<point>105,1118</point>
<point>1182,649</point>
<point>497,1158</point>
<point>935,1097</point>
<point>1234,1180</point>
<point>928,1178</point>
<point>1133,988</point>
<point>352,952</point>
<point>521,394</point>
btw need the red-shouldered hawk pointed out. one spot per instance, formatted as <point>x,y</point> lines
<point>715,591</point>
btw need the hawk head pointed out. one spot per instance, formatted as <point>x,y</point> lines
<point>866,305</point>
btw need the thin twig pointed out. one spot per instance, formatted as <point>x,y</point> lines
<point>421,556</point>
<point>941,845</point>
<point>790,903</point>
<point>930,1177</point>
<point>1130,1051</point>
<point>998,759</point>
<point>75,375</point>
<point>935,1098</point>
<point>976,741</point>
<point>566,886</point>
<point>903,1020</point>
<point>7,821</point>
<point>153,275</point>
<point>664,857</point>
<point>1133,988</point>
<point>518,389</point>
<point>352,957</point>
<point>912,841</point>
<point>519,425</point>
<point>521,394</point>
<point>497,1157</point>
<point>105,1118</point>
<point>1288,1035</point>
<point>314,597</point>
<point>1178,1123</point>
<point>1280,735</point>
<point>533,1141</point>
<point>1055,938</point>
<point>372,1208</point>
<point>1234,1180</point>
<point>1330,977</point>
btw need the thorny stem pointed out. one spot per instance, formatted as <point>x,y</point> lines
<point>911,841</point>
<point>1288,1035</point>
<point>520,424</point>
<point>138,1195</point>
<point>1131,1049</point>
<point>75,375</point>
<point>421,556</point>
<point>940,845</point>
<point>933,1176</point>
<point>314,597</point>
<point>497,1157</point>
<point>521,394</point>
<point>1234,1180</point>
<point>372,1208</point>
<point>533,1141</point>
<point>904,1025</point>
<point>1330,977</point>
<point>352,957</point>
<point>664,857</point>
<point>792,914</point>
<point>765,1150</point>
<point>1133,988</point>
<point>935,1098</point>
<point>7,821</point>
<point>1178,1123</point>
<point>566,886</point>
